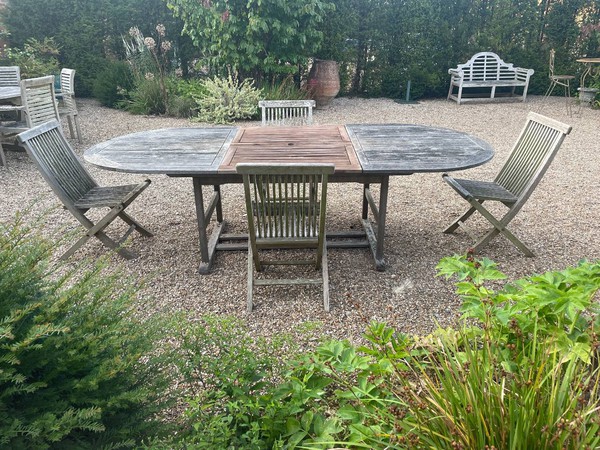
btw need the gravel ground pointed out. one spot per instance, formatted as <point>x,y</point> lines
<point>559,222</point>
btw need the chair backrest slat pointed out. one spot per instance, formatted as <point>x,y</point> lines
<point>58,163</point>
<point>40,103</point>
<point>287,112</point>
<point>532,154</point>
<point>10,76</point>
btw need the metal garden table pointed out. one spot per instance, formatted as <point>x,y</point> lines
<point>365,154</point>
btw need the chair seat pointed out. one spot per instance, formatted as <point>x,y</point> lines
<point>562,77</point>
<point>110,196</point>
<point>486,190</point>
<point>13,127</point>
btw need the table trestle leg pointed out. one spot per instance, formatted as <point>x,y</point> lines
<point>207,246</point>
<point>376,238</point>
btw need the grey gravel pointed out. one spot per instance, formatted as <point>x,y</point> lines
<point>559,222</point>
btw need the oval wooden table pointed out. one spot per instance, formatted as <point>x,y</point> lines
<point>366,154</point>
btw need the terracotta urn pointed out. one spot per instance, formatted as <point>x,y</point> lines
<point>323,81</point>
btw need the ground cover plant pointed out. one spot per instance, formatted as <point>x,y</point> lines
<point>79,370</point>
<point>520,372</point>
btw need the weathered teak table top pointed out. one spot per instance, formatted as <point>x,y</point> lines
<point>388,149</point>
<point>367,154</point>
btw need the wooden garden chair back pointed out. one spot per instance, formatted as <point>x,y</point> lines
<point>77,190</point>
<point>38,106</point>
<point>286,206</point>
<point>68,106</point>
<point>39,100</point>
<point>527,163</point>
<point>287,112</point>
<point>10,76</point>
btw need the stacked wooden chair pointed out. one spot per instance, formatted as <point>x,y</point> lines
<point>77,190</point>
<point>38,106</point>
<point>559,80</point>
<point>527,163</point>
<point>67,106</point>
<point>286,112</point>
<point>286,206</point>
<point>10,77</point>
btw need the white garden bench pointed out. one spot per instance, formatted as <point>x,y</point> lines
<point>486,70</point>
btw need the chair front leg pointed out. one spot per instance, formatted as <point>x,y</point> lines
<point>499,227</point>
<point>132,222</point>
<point>454,225</point>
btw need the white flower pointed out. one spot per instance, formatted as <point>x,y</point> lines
<point>165,46</point>
<point>149,76</point>
<point>134,31</point>
<point>150,43</point>
<point>160,29</point>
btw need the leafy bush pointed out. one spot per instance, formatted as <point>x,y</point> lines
<point>145,98</point>
<point>181,96</point>
<point>226,99</point>
<point>521,372</point>
<point>113,84</point>
<point>230,377</point>
<point>35,59</point>
<point>77,369</point>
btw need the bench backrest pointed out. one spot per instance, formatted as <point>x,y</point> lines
<point>487,66</point>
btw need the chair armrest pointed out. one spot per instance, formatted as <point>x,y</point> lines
<point>457,187</point>
<point>456,72</point>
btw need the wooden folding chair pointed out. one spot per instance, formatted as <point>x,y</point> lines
<point>286,205</point>
<point>77,190</point>
<point>529,159</point>
<point>286,112</point>
<point>67,106</point>
<point>38,106</point>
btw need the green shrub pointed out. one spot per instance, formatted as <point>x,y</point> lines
<point>145,98</point>
<point>284,90</point>
<point>35,59</point>
<point>232,380</point>
<point>181,96</point>
<point>226,99</point>
<point>113,84</point>
<point>77,369</point>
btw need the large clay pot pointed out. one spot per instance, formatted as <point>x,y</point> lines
<point>323,81</point>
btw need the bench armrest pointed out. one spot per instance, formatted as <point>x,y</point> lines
<point>523,73</point>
